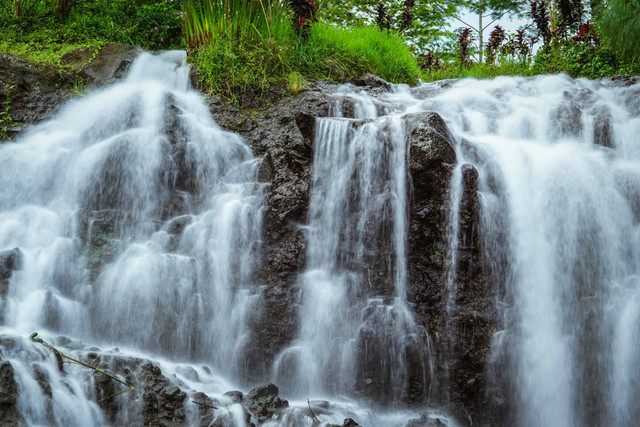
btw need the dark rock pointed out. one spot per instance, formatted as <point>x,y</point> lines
<point>370,81</point>
<point>461,341</point>
<point>264,402</point>
<point>206,408</point>
<point>348,422</point>
<point>110,64</point>
<point>35,91</point>
<point>8,385</point>
<point>9,396</point>
<point>285,140</point>
<point>426,421</point>
<point>10,261</point>
<point>602,132</point>
<point>623,81</point>
<point>235,396</point>
<point>566,121</point>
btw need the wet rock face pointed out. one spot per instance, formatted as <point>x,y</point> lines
<point>461,338</point>
<point>283,134</point>
<point>108,64</point>
<point>34,91</point>
<point>431,162</point>
<point>8,396</point>
<point>10,261</point>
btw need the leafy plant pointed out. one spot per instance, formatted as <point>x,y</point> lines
<point>497,37</point>
<point>303,16</point>
<point>540,15</point>
<point>620,28</point>
<point>62,7</point>
<point>465,41</point>
<point>206,20</point>
<point>383,19</point>
<point>406,19</point>
<point>296,82</point>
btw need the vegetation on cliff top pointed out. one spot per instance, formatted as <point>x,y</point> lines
<point>240,44</point>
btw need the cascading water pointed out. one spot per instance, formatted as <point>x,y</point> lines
<point>139,225</point>
<point>357,333</point>
<point>559,178</point>
<point>139,221</point>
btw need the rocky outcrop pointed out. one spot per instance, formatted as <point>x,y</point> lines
<point>455,307</point>
<point>36,91</point>
<point>283,134</point>
<point>8,396</point>
<point>10,261</point>
<point>101,66</point>
<point>32,91</point>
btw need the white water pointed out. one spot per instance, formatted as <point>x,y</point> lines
<point>561,227</point>
<point>140,224</point>
<point>357,331</point>
<point>561,237</point>
<point>117,174</point>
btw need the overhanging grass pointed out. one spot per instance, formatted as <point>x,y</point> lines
<point>230,63</point>
<point>366,49</point>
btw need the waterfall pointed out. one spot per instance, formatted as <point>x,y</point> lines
<point>357,333</point>
<point>139,221</point>
<point>559,178</point>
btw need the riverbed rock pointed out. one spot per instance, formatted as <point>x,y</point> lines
<point>264,402</point>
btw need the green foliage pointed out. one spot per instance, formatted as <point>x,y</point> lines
<point>577,60</point>
<point>207,20</point>
<point>620,27</point>
<point>229,65</point>
<point>478,71</point>
<point>151,24</point>
<point>430,18</point>
<point>296,82</point>
<point>360,50</point>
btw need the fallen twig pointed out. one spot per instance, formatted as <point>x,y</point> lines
<point>58,353</point>
<point>312,414</point>
<point>204,404</point>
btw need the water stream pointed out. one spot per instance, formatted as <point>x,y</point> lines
<point>140,224</point>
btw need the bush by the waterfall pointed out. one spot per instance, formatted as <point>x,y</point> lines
<point>620,26</point>
<point>231,64</point>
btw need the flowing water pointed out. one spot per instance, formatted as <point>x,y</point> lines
<point>355,304</point>
<point>140,225</point>
<point>559,167</point>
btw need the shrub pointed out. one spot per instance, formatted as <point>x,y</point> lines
<point>620,27</point>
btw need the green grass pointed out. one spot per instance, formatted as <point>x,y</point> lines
<point>43,33</point>
<point>479,71</point>
<point>229,64</point>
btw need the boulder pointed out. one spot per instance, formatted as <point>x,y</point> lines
<point>264,402</point>
<point>111,63</point>
<point>34,91</point>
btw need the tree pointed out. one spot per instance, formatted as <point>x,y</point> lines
<point>429,18</point>
<point>493,10</point>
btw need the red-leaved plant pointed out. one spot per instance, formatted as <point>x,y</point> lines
<point>304,16</point>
